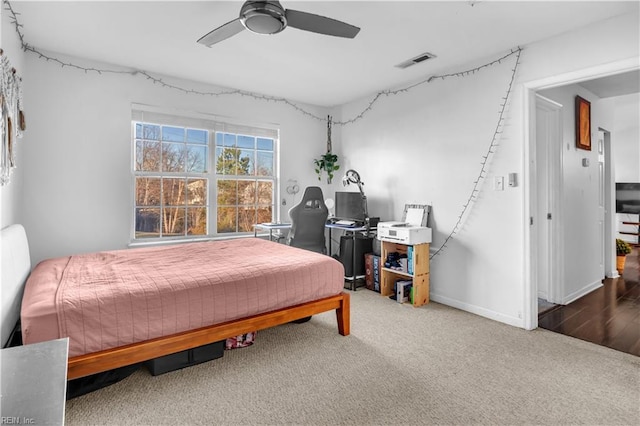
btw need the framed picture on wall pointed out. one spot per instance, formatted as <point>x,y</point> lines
<point>583,123</point>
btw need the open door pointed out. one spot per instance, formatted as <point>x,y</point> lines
<point>548,160</point>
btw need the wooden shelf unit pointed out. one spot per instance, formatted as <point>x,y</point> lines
<point>420,276</point>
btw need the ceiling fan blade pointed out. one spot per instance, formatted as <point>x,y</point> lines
<point>222,33</point>
<point>320,24</point>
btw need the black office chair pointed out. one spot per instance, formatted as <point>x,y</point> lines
<point>307,221</point>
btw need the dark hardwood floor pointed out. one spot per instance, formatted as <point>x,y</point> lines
<point>608,316</point>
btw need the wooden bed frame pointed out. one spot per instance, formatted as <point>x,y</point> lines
<point>16,266</point>
<point>84,365</point>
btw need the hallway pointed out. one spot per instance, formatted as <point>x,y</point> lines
<point>608,316</point>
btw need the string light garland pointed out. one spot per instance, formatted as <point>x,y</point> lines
<point>485,158</point>
<point>231,92</point>
<point>384,93</point>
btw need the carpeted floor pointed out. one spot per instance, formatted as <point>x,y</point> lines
<point>400,365</point>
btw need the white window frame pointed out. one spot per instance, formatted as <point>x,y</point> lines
<point>152,115</point>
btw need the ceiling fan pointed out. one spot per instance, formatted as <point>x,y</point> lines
<point>269,17</point>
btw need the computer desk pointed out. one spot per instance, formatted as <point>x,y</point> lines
<point>353,230</point>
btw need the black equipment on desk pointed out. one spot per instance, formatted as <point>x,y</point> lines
<point>351,206</point>
<point>364,245</point>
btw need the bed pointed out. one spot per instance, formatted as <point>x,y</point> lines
<point>123,307</point>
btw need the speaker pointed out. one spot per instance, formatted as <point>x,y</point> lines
<point>363,245</point>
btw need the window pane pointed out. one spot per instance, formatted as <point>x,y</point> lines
<point>228,139</point>
<point>147,191</point>
<point>265,192</point>
<point>197,221</point>
<point>172,134</point>
<point>227,192</point>
<point>265,164</point>
<point>229,161</point>
<point>265,144</point>
<point>172,157</point>
<point>246,142</point>
<point>246,162</point>
<point>151,131</point>
<point>226,219</point>
<point>147,156</point>
<point>265,214</point>
<point>197,192</point>
<point>173,221</point>
<point>196,159</point>
<point>246,192</point>
<point>147,222</point>
<point>173,192</point>
<point>246,219</point>
<point>197,136</point>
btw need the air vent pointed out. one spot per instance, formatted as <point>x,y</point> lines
<point>420,58</point>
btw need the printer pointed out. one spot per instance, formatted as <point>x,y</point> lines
<point>404,233</point>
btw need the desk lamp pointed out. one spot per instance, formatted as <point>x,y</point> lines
<point>351,176</point>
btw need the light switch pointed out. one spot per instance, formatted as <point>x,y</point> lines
<point>498,183</point>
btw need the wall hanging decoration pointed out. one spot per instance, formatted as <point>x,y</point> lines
<point>327,162</point>
<point>13,122</point>
<point>583,123</point>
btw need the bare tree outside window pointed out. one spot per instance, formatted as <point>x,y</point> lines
<point>168,202</point>
<point>172,175</point>
<point>243,199</point>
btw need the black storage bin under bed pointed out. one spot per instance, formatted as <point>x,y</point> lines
<point>187,358</point>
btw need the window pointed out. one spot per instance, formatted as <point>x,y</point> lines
<point>200,178</point>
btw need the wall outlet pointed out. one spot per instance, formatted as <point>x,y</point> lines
<point>498,183</point>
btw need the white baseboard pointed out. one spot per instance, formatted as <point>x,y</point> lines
<point>581,292</point>
<point>496,316</point>
<point>612,274</point>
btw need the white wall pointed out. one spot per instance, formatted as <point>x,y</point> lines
<point>426,146</point>
<point>627,137</point>
<point>78,192</point>
<point>10,193</point>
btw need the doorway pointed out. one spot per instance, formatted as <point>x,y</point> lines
<point>540,263</point>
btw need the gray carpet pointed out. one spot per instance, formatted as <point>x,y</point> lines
<point>400,365</point>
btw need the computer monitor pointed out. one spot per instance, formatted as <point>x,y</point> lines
<point>350,206</point>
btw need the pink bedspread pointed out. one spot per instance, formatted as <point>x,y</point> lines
<point>113,298</point>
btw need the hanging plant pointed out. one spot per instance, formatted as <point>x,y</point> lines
<point>327,162</point>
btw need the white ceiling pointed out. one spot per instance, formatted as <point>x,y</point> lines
<point>160,37</point>
<point>614,85</point>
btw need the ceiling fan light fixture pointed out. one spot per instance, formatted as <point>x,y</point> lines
<point>263,17</point>
<point>261,23</point>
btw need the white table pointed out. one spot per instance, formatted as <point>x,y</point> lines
<point>34,383</point>
<point>270,227</point>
